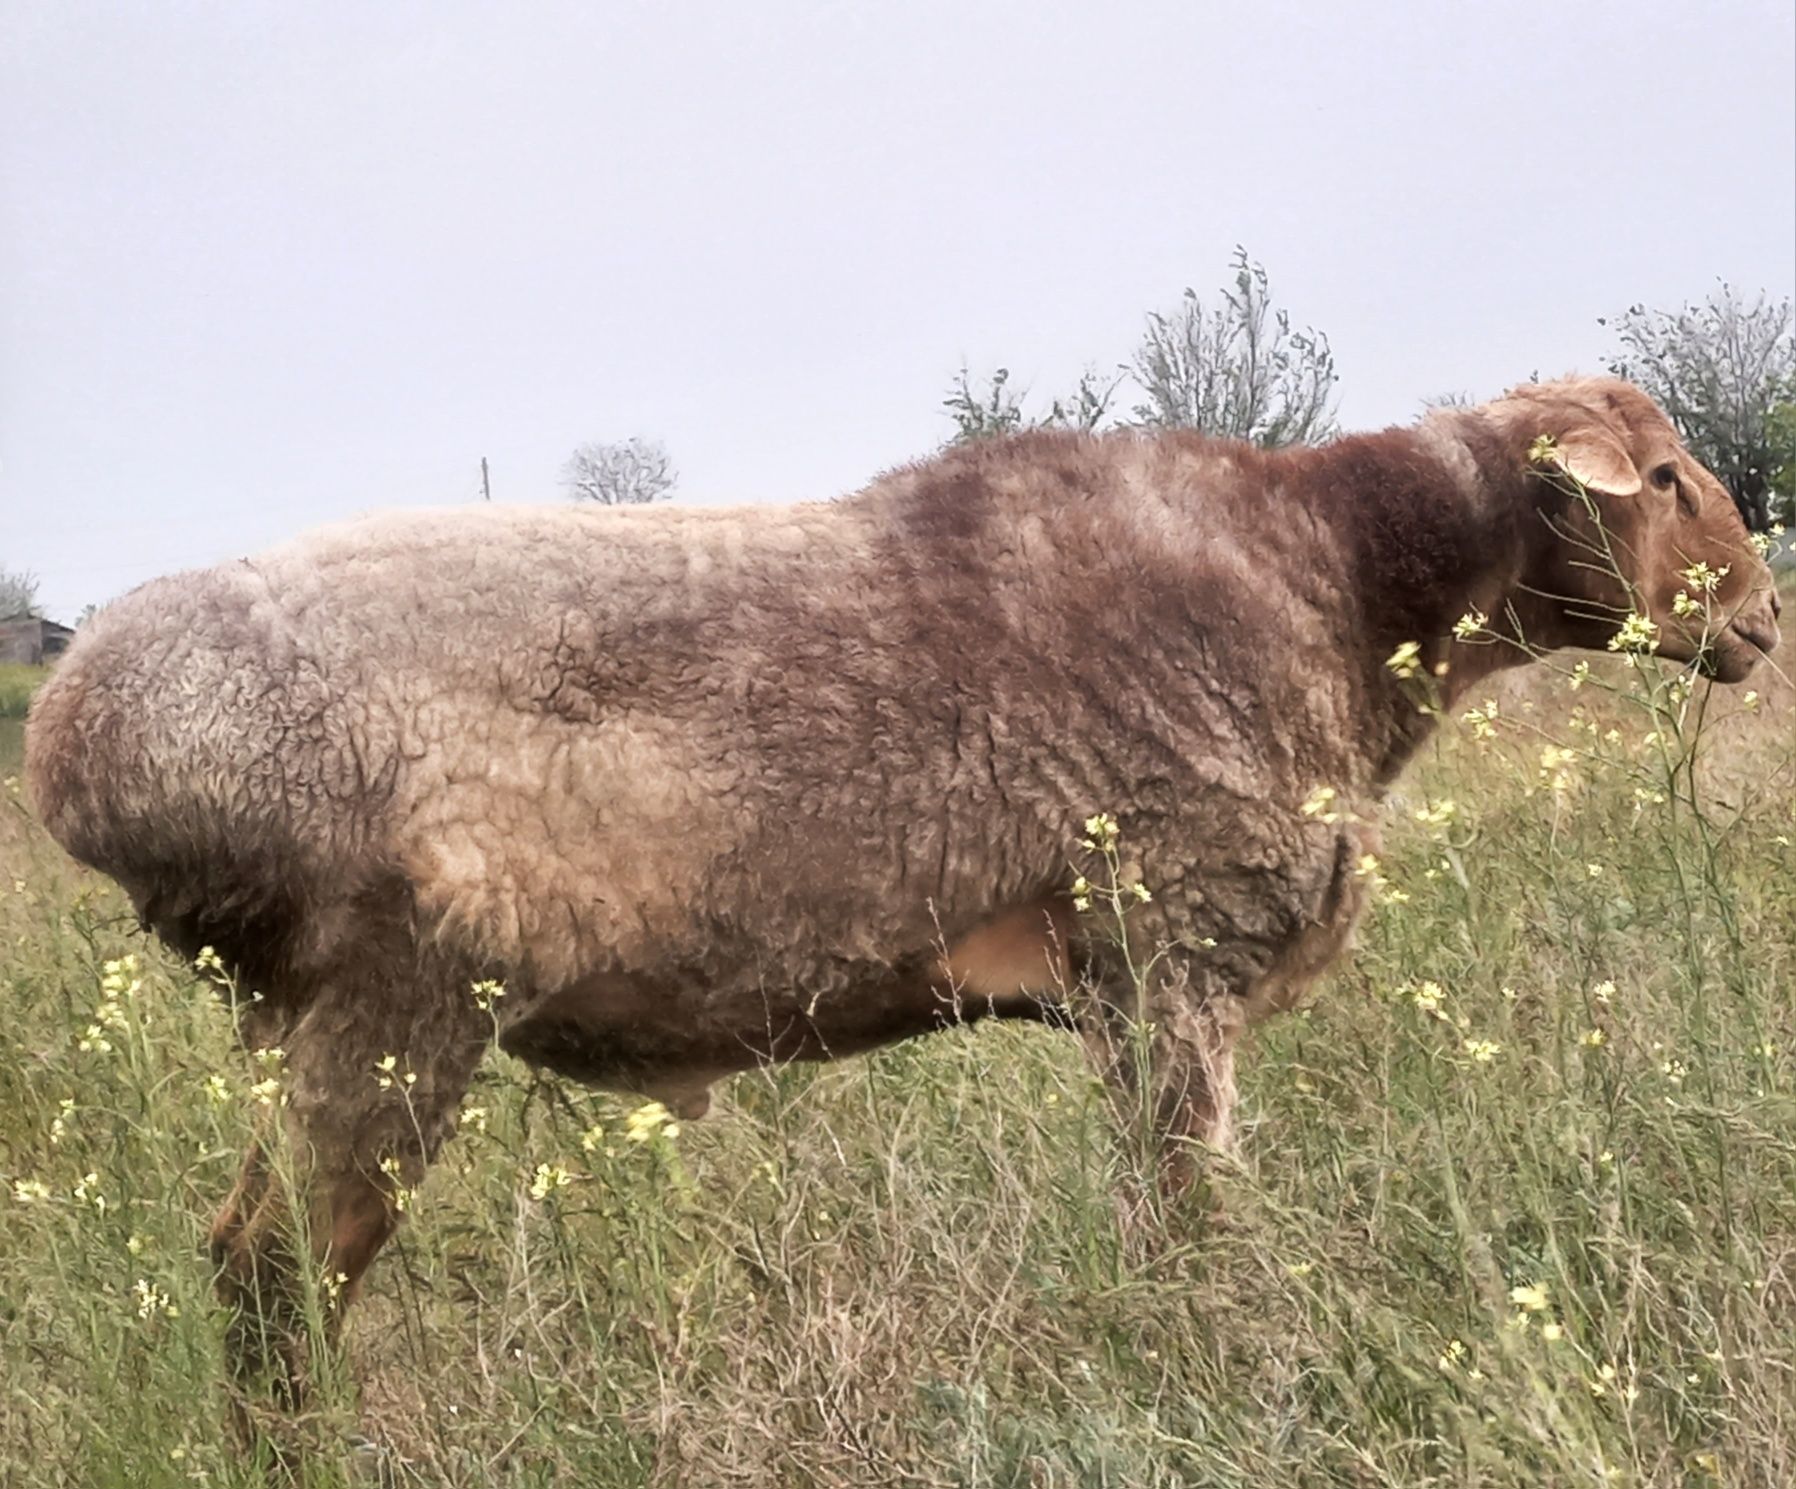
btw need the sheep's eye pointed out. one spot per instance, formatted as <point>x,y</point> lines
<point>1666,476</point>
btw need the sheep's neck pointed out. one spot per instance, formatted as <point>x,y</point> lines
<point>1434,545</point>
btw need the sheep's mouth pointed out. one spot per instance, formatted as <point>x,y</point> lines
<point>1759,634</point>
<point>1734,652</point>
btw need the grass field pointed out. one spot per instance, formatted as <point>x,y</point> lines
<point>1515,1203</point>
<point>17,683</point>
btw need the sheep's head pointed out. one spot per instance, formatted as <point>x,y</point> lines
<point>1642,530</point>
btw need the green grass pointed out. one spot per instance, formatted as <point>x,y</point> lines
<point>17,683</point>
<point>927,1267</point>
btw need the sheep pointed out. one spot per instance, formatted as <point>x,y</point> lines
<point>705,788</point>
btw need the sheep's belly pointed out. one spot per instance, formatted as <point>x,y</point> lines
<point>661,1044</point>
<point>670,1041</point>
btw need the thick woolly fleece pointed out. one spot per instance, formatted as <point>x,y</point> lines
<point>707,786</point>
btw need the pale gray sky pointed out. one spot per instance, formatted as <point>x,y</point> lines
<point>267,265</point>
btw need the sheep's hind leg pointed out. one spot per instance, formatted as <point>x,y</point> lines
<point>352,1135</point>
<point>1165,1045</point>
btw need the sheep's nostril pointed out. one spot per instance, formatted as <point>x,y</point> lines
<point>1777,605</point>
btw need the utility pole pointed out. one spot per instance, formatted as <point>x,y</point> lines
<point>486,486</point>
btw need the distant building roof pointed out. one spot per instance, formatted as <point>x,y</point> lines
<point>32,639</point>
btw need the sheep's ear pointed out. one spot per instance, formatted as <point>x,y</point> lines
<point>1599,461</point>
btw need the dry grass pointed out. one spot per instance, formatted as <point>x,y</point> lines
<point>1530,1230</point>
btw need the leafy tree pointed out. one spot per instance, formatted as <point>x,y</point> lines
<point>1721,369</point>
<point>999,410</point>
<point>1782,424</point>
<point>986,415</point>
<point>629,472</point>
<point>18,595</point>
<point>1236,368</point>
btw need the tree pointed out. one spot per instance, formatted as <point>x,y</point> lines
<point>1782,424</point>
<point>1720,369</point>
<point>999,410</point>
<point>18,595</point>
<point>627,473</point>
<point>983,415</point>
<point>1237,369</point>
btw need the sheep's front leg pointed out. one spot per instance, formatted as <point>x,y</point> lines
<point>373,1075</point>
<point>1164,1041</point>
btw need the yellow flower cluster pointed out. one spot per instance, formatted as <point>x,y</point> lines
<point>1636,634</point>
<point>1556,764</point>
<point>1101,831</point>
<point>387,1074</point>
<point>152,1300</point>
<point>1481,721</point>
<point>1532,1301</point>
<point>1700,576</point>
<point>648,1121</point>
<point>1320,804</point>
<point>1437,815</point>
<point>1454,1357</point>
<point>119,983</point>
<point>549,1177</point>
<point>402,1196</point>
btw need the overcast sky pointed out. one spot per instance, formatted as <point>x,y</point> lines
<point>264,266</point>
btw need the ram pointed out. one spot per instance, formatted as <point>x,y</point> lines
<point>708,788</point>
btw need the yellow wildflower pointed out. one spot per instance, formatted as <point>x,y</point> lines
<point>649,1120</point>
<point>1320,805</point>
<point>1437,813</point>
<point>1530,1297</point>
<point>549,1177</point>
<point>1635,634</point>
<point>152,1300</point>
<point>1102,830</point>
<point>1705,578</point>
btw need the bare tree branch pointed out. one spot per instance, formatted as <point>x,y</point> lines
<point>629,472</point>
<point>18,594</point>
